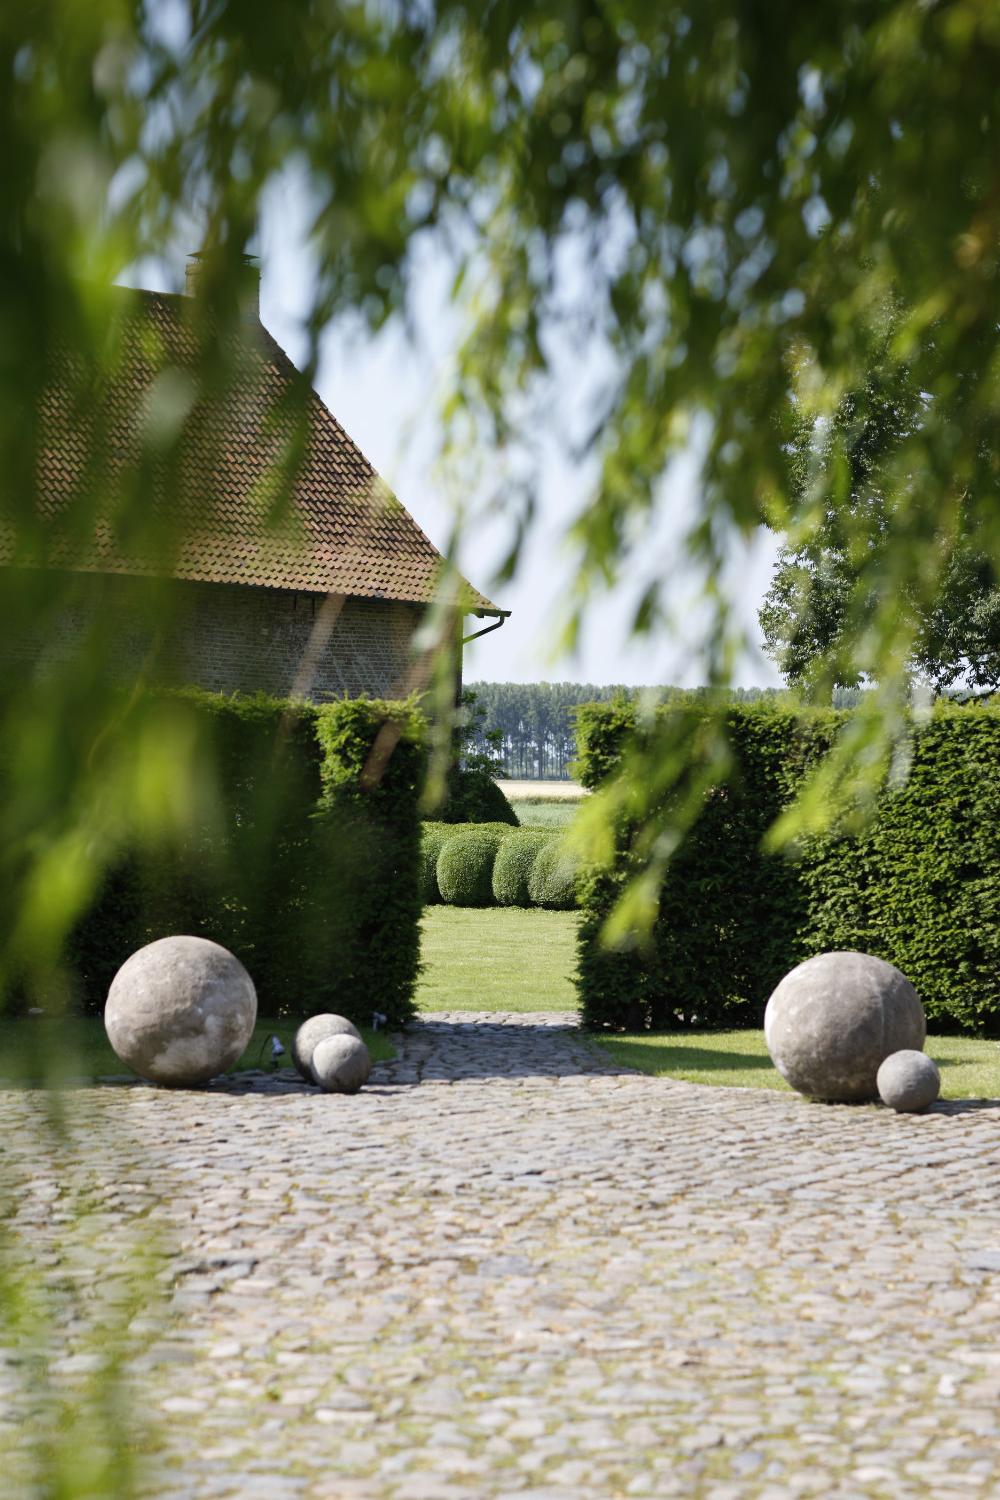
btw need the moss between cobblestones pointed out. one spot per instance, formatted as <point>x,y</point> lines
<point>970,1067</point>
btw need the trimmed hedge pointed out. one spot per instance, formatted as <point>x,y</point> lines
<point>465,866</point>
<point>918,888</point>
<point>728,915</point>
<point>552,880</point>
<point>433,837</point>
<point>306,864</point>
<point>492,866</point>
<point>921,886</point>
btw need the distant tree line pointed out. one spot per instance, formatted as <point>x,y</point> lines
<point>527,728</point>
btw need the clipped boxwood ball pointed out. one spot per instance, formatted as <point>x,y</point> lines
<point>908,1082</point>
<point>433,837</point>
<point>833,1021</point>
<point>341,1064</point>
<point>181,1010</point>
<point>552,880</point>
<point>513,865</point>
<point>313,1031</point>
<point>474,797</point>
<point>465,866</point>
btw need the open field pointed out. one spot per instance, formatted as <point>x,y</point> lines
<point>541,814</point>
<point>543,791</point>
<point>500,958</point>
<point>76,1047</point>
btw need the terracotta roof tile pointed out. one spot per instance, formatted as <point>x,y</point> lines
<point>338,530</point>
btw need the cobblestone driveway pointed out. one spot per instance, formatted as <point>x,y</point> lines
<point>507,1270</point>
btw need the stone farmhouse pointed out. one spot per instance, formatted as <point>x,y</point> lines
<point>323,602</point>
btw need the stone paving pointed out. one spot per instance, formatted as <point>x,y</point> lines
<point>507,1269</point>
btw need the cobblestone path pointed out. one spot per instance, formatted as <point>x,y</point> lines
<point>506,1269</point>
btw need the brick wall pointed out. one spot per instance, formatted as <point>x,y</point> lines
<point>225,637</point>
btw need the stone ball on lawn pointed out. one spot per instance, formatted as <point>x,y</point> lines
<point>315,1030</point>
<point>180,1010</point>
<point>341,1064</point>
<point>833,1021</point>
<point>908,1082</point>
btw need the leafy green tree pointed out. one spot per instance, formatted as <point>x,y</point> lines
<point>813,607</point>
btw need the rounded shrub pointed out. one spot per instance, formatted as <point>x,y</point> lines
<point>433,837</point>
<point>513,865</point>
<point>474,797</point>
<point>552,880</point>
<point>465,866</point>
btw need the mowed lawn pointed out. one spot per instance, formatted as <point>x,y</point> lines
<point>500,958</point>
<point>970,1067</point>
<point>507,959</point>
<point>54,1050</point>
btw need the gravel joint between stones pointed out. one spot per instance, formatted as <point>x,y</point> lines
<point>509,1269</point>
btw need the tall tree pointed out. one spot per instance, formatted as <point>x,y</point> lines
<point>824,589</point>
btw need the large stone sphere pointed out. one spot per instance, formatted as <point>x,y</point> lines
<point>341,1064</point>
<point>180,1010</point>
<point>908,1082</point>
<point>314,1030</point>
<point>833,1021</point>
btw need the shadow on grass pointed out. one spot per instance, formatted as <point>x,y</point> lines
<point>686,1059</point>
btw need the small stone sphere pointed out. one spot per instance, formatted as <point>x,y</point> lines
<point>908,1082</point>
<point>833,1021</point>
<point>341,1064</point>
<point>313,1031</point>
<point>180,1011</point>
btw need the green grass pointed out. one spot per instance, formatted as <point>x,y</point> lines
<point>970,1068</point>
<point>500,958</point>
<point>535,813</point>
<point>34,1050</point>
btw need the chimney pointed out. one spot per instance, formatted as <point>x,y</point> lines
<point>246,276</point>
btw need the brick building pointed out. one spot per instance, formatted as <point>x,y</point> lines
<point>313,585</point>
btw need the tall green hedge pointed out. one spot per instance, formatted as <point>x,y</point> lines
<point>305,862</point>
<point>919,888</point>
<point>922,886</point>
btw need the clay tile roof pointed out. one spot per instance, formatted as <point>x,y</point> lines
<point>338,529</point>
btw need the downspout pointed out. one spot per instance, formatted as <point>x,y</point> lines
<point>482,614</point>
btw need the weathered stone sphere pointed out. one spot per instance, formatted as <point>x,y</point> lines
<point>313,1031</point>
<point>833,1021</point>
<point>180,1010</point>
<point>908,1082</point>
<point>341,1064</point>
